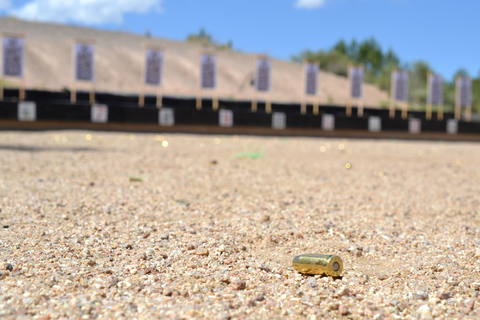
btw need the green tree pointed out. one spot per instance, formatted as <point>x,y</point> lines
<point>378,69</point>
<point>418,84</point>
<point>205,39</point>
<point>332,61</point>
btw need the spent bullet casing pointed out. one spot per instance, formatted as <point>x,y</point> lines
<point>313,264</point>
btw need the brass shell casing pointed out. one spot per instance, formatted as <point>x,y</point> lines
<point>313,264</point>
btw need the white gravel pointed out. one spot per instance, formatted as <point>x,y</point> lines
<point>122,227</point>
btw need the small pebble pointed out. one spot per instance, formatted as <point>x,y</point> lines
<point>259,298</point>
<point>409,241</point>
<point>382,276</point>
<point>312,283</point>
<point>446,295</point>
<point>112,281</point>
<point>223,316</point>
<point>343,310</point>
<point>420,295</point>
<point>168,292</point>
<point>238,284</point>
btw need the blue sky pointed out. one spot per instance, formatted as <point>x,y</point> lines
<point>442,32</point>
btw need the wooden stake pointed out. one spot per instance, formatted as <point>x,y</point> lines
<point>215,89</point>
<point>348,107</point>
<point>392,94</point>
<point>73,95</point>
<point>404,110</point>
<point>141,96</point>
<point>348,110</point>
<point>199,89</point>
<point>303,71</point>
<point>92,93</point>
<point>1,88</point>
<point>428,114</point>
<point>468,114</point>
<point>21,90</point>
<point>254,101</point>
<point>159,97</point>
<point>199,100</point>
<point>215,101</point>
<point>268,105</point>
<point>440,112</point>
<point>315,107</point>
<point>303,107</point>
<point>360,108</point>
<point>457,98</point>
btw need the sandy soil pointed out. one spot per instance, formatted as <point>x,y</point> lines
<point>120,61</point>
<point>114,225</point>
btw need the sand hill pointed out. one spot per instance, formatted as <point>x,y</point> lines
<point>120,62</point>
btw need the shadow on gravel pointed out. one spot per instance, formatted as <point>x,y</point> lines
<point>46,149</point>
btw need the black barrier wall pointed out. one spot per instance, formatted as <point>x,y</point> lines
<point>56,106</point>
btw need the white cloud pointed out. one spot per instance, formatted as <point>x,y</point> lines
<point>83,11</point>
<point>309,4</point>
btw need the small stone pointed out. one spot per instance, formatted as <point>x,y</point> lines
<point>344,291</point>
<point>312,283</point>
<point>192,246</point>
<point>343,310</point>
<point>469,304</point>
<point>168,292</point>
<point>475,285</point>
<point>64,217</point>
<point>112,281</point>
<point>91,263</point>
<point>258,298</point>
<point>358,253</point>
<point>424,310</point>
<point>164,236</point>
<point>333,306</point>
<point>163,255</point>
<point>22,312</point>
<point>265,218</point>
<point>225,278</point>
<point>223,316</point>
<point>446,295</point>
<point>265,268</point>
<point>6,226</point>
<point>420,295</point>
<point>9,267</point>
<point>202,252</point>
<point>382,276</point>
<point>221,248</point>
<point>238,284</point>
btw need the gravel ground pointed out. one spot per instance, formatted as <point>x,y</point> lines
<point>115,225</point>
